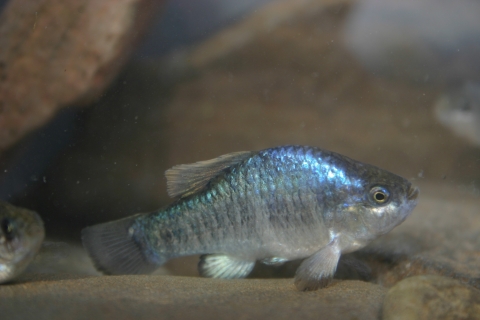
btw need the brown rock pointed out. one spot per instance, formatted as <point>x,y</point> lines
<point>431,297</point>
<point>56,53</point>
<point>167,297</point>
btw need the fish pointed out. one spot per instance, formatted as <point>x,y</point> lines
<point>459,110</point>
<point>21,235</point>
<point>272,206</point>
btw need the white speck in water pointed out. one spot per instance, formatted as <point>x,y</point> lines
<point>44,179</point>
<point>78,182</point>
<point>420,174</point>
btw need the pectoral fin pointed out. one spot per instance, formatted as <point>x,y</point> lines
<point>317,271</point>
<point>223,266</point>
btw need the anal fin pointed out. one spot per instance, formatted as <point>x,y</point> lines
<point>223,266</point>
<point>317,271</point>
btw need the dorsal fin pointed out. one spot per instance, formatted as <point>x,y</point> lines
<point>186,179</point>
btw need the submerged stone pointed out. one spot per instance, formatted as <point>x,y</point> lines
<point>431,297</point>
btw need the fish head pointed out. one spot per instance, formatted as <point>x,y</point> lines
<point>21,234</point>
<point>386,200</point>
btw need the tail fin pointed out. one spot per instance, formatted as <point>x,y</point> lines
<point>114,250</point>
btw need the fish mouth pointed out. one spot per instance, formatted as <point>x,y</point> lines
<point>412,193</point>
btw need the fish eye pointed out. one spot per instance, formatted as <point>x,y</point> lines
<point>7,228</point>
<point>379,195</point>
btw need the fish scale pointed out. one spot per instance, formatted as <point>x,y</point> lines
<point>273,205</point>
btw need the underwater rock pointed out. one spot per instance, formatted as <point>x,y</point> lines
<point>431,297</point>
<point>58,53</point>
<point>167,297</point>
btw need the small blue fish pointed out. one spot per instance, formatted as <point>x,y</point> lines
<point>273,205</point>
